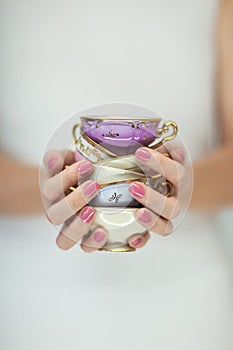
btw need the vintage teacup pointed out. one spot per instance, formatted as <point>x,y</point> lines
<point>123,136</point>
<point>117,194</point>
<point>110,143</point>
<point>115,183</point>
<point>120,224</point>
<point>107,175</point>
<point>114,195</point>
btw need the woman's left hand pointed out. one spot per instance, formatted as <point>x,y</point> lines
<point>158,209</point>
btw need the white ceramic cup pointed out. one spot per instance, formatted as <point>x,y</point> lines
<point>120,224</point>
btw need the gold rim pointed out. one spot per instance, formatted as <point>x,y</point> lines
<point>129,157</point>
<point>126,181</point>
<point>112,118</point>
<point>121,249</point>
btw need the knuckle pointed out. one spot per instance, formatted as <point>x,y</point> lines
<point>175,175</point>
<point>76,200</point>
<point>181,174</point>
<point>70,176</point>
<point>169,227</point>
<point>61,245</point>
<point>171,209</point>
<point>54,219</point>
<point>175,210</point>
<point>47,192</point>
<point>178,174</point>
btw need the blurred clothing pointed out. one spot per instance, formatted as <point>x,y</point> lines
<point>62,57</point>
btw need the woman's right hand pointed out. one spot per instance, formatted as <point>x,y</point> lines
<point>70,208</point>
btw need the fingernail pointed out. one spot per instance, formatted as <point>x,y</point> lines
<point>78,156</point>
<point>99,236</point>
<point>137,242</point>
<point>137,190</point>
<point>51,162</point>
<point>85,167</point>
<point>143,154</point>
<point>91,189</point>
<point>87,214</point>
<point>144,216</point>
<point>179,153</point>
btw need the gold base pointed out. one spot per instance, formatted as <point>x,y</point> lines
<point>121,249</point>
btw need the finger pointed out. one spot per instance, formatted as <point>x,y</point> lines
<point>71,204</point>
<point>168,207</point>
<point>78,156</point>
<point>55,186</point>
<point>170,169</point>
<point>138,241</point>
<point>54,160</point>
<point>153,222</point>
<point>94,241</point>
<point>178,155</point>
<point>73,231</point>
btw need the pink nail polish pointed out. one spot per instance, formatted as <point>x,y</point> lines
<point>99,236</point>
<point>145,216</point>
<point>143,154</point>
<point>87,214</point>
<point>91,188</point>
<point>137,242</point>
<point>137,190</point>
<point>85,167</point>
<point>51,162</point>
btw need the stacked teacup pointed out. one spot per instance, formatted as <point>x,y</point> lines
<point>110,143</point>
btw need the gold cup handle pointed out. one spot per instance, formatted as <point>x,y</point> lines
<point>74,133</point>
<point>165,128</point>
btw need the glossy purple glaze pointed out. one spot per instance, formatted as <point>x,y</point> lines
<point>120,137</point>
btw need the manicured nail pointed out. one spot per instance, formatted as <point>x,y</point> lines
<point>179,154</point>
<point>51,162</point>
<point>78,156</point>
<point>144,216</point>
<point>87,214</point>
<point>99,236</point>
<point>137,242</point>
<point>91,188</point>
<point>85,167</point>
<point>137,190</point>
<point>142,153</point>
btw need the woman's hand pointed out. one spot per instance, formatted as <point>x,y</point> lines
<point>158,209</point>
<point>71,210</point>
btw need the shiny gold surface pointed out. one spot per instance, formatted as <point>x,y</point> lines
<point>121,249</point>
<point>163,130</point>
<point>74,132</point>
<point>123,118</point>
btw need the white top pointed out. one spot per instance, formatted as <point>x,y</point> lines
<point>59,58</point>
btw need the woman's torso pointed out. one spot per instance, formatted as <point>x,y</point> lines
<point>62,57</point>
